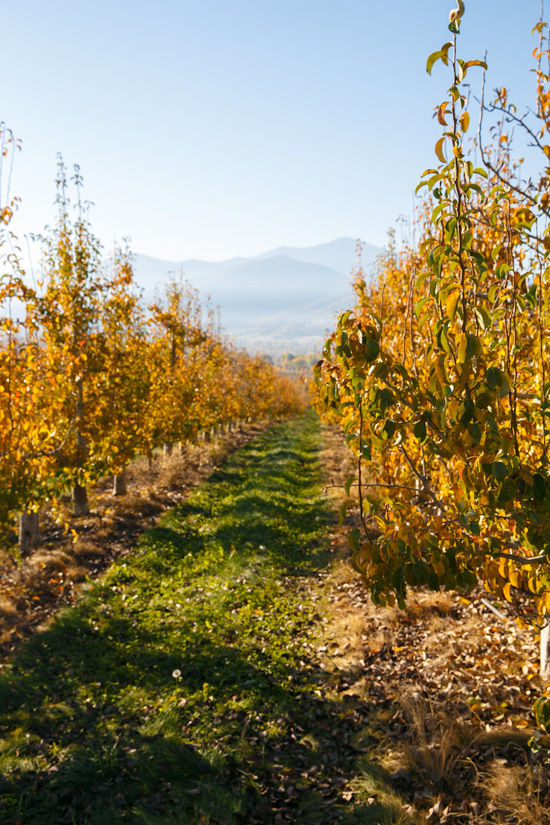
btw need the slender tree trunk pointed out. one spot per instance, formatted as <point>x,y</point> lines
<point>150,460</point>
<point>207,436</point>
<point>80,494</point>
<point>80,500</point>
<point>167,449</point>
<point>120,483</point>
<point>29,532</point>
<point>545,651</point>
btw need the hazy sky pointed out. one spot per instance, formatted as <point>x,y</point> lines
<point>217,128</point>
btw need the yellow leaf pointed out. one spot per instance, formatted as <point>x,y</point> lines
<point>503,568</point>
<point>439,367</point>
<point>441,113</point>
<point>452,303</point>
<point>544,603</point>
<point>439,150</point>
<point>439,568</point>
<point>464,121</point>
<point>515,578</point>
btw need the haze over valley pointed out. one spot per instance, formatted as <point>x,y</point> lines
<point>283,300</point>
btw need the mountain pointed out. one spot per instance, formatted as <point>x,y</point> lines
<point>284,300</point>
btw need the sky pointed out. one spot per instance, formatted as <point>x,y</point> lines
<point>220,128</point>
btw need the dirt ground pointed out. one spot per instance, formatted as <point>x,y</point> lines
<point>33,589</point>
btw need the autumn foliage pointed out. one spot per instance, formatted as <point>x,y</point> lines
<point>440,374</point>
<point>90,377</point>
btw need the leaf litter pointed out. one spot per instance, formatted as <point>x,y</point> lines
<point>290,697</point>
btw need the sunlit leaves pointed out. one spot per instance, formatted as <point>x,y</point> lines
<point>88,378</point>
<point>451,420</point>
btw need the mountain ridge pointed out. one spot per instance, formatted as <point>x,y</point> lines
<point>267,301</point>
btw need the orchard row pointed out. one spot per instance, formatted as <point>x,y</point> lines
<point>90,377</point>
<point>440,376</point>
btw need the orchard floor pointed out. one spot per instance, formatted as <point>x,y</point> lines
<point>231,669</point>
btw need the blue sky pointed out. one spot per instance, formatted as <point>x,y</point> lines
<point>217,128</point>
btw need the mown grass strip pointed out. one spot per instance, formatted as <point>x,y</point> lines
<point>174,685</point>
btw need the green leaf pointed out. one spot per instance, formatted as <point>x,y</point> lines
<point>483,317</point>
<point>539,487</point>
<point>372,350</point>
<point>353,539</point>
<point>493,377</point>
<point>474,431</point>
<point>347,485</point>
<point>443,340</point>
<point>420,304</point>
<point>433,581</point>
<point>344,508</point>
<point>423,320</point>
<point>541,709</point>
<point>508,491</point>
<point>502,270</point>
<point>433,58</point>
<point>467,411</point>
<point>467,347</point>
<point>419,430</point>
<point>499,470</point>
<point>505,386</point>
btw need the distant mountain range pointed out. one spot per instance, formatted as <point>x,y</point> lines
<point>284,300</point>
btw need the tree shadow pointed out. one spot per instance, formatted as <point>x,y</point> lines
<point>105,761</point>
<point>101,711</point>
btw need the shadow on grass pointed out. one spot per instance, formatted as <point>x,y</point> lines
<point>140,711</point>
<point>103,761</point>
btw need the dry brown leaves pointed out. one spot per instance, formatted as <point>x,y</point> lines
<point>452,685</point>
<point>32,590</point>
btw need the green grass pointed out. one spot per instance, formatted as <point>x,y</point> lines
<point>179,687</point>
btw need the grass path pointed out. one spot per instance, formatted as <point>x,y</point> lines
<point>186,686</point>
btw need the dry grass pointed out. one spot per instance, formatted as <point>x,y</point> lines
<point>435,743</point>
<point>87,549</point>
<point>514,794</point>
<point>49,577</point>
<point>449,689</point>
<point>49,562</point>
<point>8,609</point>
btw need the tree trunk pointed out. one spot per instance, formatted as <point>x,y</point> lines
<point>207,436</point>
<point>120,483</point>
<point>167,449</point>
<point>80,494</point>
<point>29,532</point>
<point>80,500</point>
<point>545,651</point>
